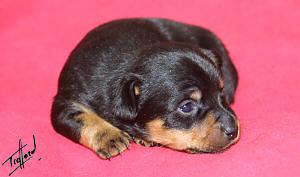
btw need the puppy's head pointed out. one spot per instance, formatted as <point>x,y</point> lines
<point>175,98</point>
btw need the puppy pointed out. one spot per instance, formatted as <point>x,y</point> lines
<point>154,81</point>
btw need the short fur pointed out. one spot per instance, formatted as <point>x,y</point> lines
<point>127,78</point>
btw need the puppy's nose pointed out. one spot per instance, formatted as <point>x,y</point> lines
<point>230,132</point>
<point>229,126</point>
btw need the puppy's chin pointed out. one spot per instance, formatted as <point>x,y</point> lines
<point>206,137</point>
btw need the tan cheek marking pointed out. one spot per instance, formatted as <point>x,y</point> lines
<point>137,90</point>
<point>196,95</point>
<point>196,137</point>
<point>168,137</point>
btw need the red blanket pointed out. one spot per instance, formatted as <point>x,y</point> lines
<point>263,38</point>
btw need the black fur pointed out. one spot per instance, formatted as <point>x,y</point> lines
<point>165,59</point>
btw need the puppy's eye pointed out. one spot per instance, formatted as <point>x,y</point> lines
<point>188,106</point>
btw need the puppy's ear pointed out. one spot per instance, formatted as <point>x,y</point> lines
<point>125,97</point>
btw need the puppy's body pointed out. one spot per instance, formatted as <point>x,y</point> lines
<point>127,77</point>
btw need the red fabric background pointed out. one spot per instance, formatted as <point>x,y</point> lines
<point>36,37</point>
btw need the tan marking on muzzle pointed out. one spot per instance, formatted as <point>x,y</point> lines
<point>205,136</point>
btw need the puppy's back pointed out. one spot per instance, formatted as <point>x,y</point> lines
<point>109,50</point>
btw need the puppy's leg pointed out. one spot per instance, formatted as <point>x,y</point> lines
<point>82,125</point>
<point>144,142</point>
<point>100,136</point>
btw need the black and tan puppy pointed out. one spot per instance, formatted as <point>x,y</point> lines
<point>155,81</point>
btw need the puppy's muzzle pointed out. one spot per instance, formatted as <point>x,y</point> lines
<point>216,132</point>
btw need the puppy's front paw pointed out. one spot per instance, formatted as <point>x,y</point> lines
<point>144,143</point>
<point>112,143</point>
<point>100,136</point>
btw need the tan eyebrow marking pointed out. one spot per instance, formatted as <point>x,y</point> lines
<point>137,90</point>
<point>196,95</point>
